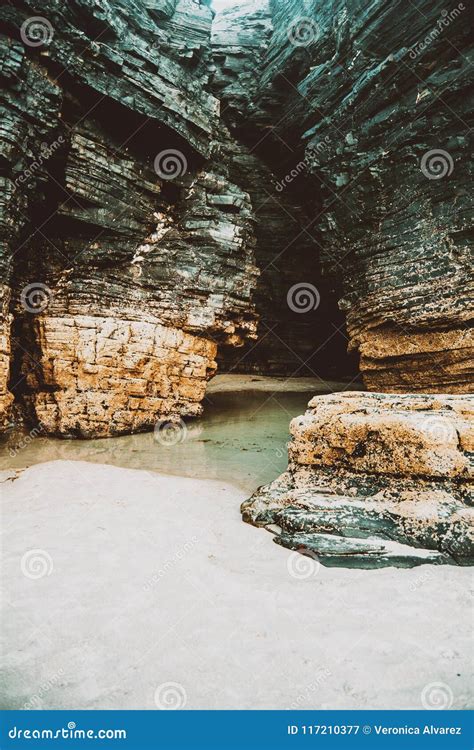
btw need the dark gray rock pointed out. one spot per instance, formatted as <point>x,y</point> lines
<point>374,100</point>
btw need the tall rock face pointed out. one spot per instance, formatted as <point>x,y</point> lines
<point>397,160</point>
<point>266,186</point>
<point>367,104</point>
<point>373,99</point>
<point>128,247</point>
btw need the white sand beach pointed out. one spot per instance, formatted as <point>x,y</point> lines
<point>137,580</point>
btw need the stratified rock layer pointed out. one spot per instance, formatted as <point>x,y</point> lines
<point>197,184</point>
<point>126,242</point>
<point>293,339</point>
<point>105,376</point>
<point>369,103</point>
<point>376,479</point>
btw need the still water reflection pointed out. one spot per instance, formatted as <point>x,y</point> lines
<point>241,438</point>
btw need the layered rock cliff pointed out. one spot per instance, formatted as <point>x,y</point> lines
<point>369,104</point>
<point>130,251</point>
<point>176,188</point>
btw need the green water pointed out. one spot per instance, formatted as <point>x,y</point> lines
<point>241,438</point>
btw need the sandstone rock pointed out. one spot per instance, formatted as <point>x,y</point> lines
<point>380,468</point>
<point>409,435</point>
<point>130,257</point>
<point>107,376</point>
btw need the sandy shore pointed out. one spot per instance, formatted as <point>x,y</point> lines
<point>239,383</point>
<point>140,579</point>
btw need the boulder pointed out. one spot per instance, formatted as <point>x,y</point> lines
<point>385,469</point>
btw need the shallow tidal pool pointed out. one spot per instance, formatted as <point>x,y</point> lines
<point>241,438</point>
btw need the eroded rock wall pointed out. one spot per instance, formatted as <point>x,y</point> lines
<point>296,335</point>
<point>170,192</point>
<point>129,247</point>
<point>373,100</point>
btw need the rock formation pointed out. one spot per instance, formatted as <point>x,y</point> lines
<point>371,99</point>
<point>130,251</point>
<point>178,190</point>
<point>369,104</point>
<point>376,479</point>
<point>297,335</point>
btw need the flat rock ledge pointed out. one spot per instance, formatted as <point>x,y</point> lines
<point>375,480</point>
